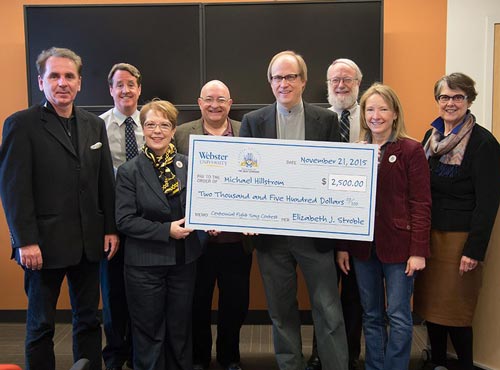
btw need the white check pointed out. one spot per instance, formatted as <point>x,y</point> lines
<point>282,187</point>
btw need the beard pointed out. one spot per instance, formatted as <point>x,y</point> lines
<point>344,101</point>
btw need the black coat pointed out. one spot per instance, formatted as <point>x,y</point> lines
<point>320,125</point>
<point>53,196</point>
<point>144,215</point>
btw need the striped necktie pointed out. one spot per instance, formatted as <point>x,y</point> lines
<point>130,140</point>
<point>344,126</point>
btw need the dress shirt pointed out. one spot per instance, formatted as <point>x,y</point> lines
<point>115,127</point>
<point>354,122</point>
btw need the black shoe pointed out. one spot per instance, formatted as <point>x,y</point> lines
<point>129,364</point>
<point>198,367</point>
<point>233,366</point>
<point>314,363</point>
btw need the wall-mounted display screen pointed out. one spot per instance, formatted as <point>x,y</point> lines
<point>178,47</point>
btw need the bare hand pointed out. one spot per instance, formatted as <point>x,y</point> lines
<point>213,232</point>
<point>250,234</point>
<point>111,244</point>
<point>343,261</point>
<point>177,231</point>
<point>414,263</point>
<point>31,257</point>
<point>467,264</point>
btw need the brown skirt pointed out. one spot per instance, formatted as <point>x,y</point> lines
<point>442,296</point>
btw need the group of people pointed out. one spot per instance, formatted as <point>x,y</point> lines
<point>102,201</point>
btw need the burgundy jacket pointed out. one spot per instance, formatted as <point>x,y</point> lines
<point>403,206</point>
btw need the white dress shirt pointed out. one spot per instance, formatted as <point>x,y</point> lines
<point>115,128</point>
<point>353,122</point>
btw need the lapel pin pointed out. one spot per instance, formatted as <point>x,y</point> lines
<point>392,158</point>
<point>96,146</point>
<point>179,164</point>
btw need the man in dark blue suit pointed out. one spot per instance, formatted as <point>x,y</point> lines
<point>57,188</point>
<point>292,118</point>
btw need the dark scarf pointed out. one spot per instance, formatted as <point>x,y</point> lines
<point>450,148</point>
<point>170,184</point>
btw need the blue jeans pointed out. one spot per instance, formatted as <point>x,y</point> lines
<point>385,351</point>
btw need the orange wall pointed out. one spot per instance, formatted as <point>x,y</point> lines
<point>414,58</point>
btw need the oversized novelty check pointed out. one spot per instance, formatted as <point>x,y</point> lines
<point>282,187</point>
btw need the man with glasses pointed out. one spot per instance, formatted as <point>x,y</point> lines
<point>292,118</point>
<point>226,260</point>
<point>343,81</point>
<point>125,136</point>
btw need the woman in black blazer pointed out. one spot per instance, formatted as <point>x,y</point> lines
<point>160,253</point>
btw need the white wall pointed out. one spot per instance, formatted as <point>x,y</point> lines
<point>469,48</point>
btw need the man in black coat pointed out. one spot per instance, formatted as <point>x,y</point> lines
<point>290,118</point>
<point>57,189</point>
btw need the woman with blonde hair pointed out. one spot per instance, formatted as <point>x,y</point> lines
<point>386,267</point>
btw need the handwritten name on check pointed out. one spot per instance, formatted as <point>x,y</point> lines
<point>282,187</point>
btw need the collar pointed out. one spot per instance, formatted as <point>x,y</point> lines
<point>120,118</point>
<point>351,110</point>
<point>297,109</point>
<point>227,132</point>
<point>392,139</point>
<point>50,108</point>
<point>438,124</point>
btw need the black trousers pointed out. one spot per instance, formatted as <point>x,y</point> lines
<point>352,311</point>
<point>115,315</point>
<point>42,288</point>
<point>160,300</point>
<point>228,265</point>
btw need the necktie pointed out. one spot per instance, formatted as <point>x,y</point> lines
<point>344,126</point>
<point>130,140</point>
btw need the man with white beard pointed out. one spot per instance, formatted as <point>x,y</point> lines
<point>343,81</point>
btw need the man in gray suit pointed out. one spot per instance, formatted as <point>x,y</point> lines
<point>292,118</point>
<point>57,188</point>
<point>226,260</point>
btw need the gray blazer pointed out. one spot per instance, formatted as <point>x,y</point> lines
<point>144,215</point>
<point>181,139</point>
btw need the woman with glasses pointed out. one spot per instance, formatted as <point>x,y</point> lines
<point>464,159</point>
<point>160,253</point>
<point>386,267</point>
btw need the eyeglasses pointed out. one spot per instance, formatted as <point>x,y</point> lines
<point>345,80</point>
<point>456,98</point>
<point>289,78</point>
<point>151,126</point>
<point>210,100</point>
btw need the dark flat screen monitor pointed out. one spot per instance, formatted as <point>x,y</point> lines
<point>248,35</point>
<point>163,41</point>
<point>178,47</point>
